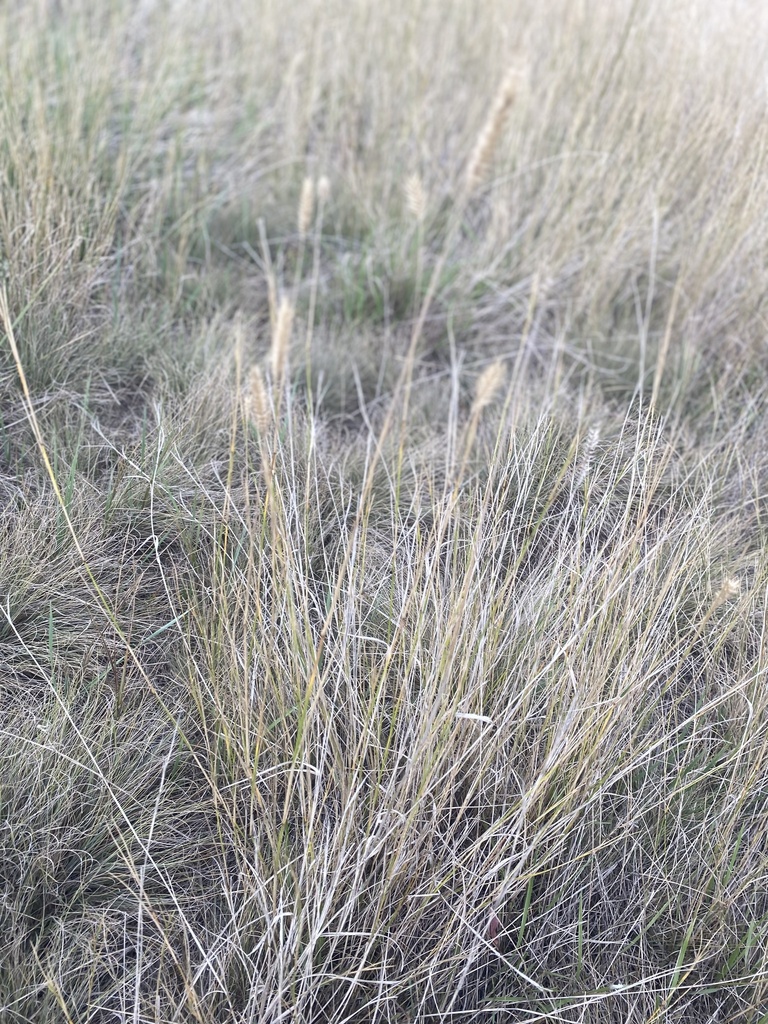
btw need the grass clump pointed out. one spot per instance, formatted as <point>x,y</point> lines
<point>382,514</point>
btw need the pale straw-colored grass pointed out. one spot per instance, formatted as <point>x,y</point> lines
<point>383,556</point>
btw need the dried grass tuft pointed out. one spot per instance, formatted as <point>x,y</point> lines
<point>384,660</point>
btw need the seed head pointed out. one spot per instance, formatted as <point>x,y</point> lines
<point>415,197</point>
<point>730,588</point>
<point>489,382</point>
<point>586,457</point>
<point>259,399</point>
<point>281,339</point>
<point>306,206</point>
<point>480,160</point>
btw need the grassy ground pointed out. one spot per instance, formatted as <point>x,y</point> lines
<point>383,512</point>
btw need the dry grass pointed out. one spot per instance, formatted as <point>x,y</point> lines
<point>383,513</point>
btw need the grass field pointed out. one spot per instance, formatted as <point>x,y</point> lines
<point>383,511</point>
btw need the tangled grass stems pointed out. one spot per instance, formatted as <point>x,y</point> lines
<point>445,702</point>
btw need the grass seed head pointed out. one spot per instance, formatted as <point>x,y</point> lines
<point>306,205</point>
<point>415,197</point>
<point>323,188</point>
<point>260,408</point>
<point>490,381</point>
<point>281,339</point>
<point>729,589</point>
<point>480,160</point>
<point>586,456</point>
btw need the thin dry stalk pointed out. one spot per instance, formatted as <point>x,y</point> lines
<point>269,273</point>
<point>489,384</point>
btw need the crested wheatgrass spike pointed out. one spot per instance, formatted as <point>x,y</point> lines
<point>260,408</point>
<point>489,382</point>
<point>729,589</point>
<point>586,457</point>
<point>306,205</point>
<point>415,197</point>
<point>480,160</point>
<point>281,338</point>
